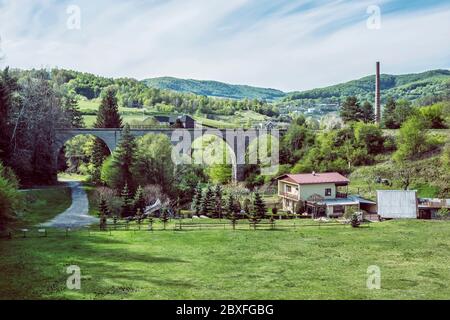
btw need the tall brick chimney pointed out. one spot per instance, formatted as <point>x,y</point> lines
<point>378,95</point>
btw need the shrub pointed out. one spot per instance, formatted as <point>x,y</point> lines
<point>9,196</point>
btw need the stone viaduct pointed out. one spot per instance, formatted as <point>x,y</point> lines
<point>237,141</point>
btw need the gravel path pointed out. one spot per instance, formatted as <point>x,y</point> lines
<point>77,216</point>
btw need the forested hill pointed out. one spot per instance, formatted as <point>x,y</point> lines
<point>214,88</point>
<point>418,87</point>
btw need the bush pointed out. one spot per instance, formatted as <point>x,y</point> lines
<point>9,196</point>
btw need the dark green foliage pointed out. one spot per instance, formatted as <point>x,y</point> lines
<point>139,200</point>
<point>7,85</point>
<point>247,206</point>
<point>107,117</point>
<point>103,213</point>
<point>127,203</point>
<point>186,180</point>
<point>108,114</point>
<point>389,119</point>
<point>218,201</point>
<point>367,112</point>
<point>259,206</point>
<point>254,219</point>
<point>232,211</point>
<point>295,143</point>
<point>214,88</point>
<point>418,88</point>
<point>231,206</point>
<point>351,110</point>
<point>123,158</point>
<point>208,202</point>
<point>73,113</point>
<point>164,217</point>
<point>139,217</point>
<point>9,196</point>
<point>197,200</point>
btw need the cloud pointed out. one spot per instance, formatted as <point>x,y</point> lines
<point>291,45</point>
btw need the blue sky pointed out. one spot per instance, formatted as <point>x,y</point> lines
<point>289,45</point>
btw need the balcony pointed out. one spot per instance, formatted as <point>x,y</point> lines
<point>341,195</point>
<point>289,195</point>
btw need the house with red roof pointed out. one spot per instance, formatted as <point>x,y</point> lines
<point>316,194</point>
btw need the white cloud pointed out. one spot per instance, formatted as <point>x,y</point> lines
<point>206,39</point>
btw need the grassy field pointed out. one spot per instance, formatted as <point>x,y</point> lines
<point>43,204</point>
<point>306,263</point>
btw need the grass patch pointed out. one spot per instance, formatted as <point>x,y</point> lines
<point>308,263</point>
<point>41,205</point>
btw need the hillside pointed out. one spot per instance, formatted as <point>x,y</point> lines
<point>417,88</point>
<point>214,88</point>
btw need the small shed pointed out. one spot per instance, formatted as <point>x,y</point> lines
<point>397,204</point>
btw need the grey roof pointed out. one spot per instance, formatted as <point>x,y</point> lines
<point>349,201</point>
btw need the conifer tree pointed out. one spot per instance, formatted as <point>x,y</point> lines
<point>103,213</point>
<point>72,111</point>
<point>367,111</point>
<point>107,117</point>
<point>197,200</point>
<point>259,206</point>
<point>350,110</point>
<point>123,157</point>
<point>218,201</point>
<point>7,85</point>
<point>208,203</point>
<point>139,200</point>
<point>108,113</point>
<point>127,206</point>
<point>389,114</point>
<point>164,217</point>
<point>231,206</point>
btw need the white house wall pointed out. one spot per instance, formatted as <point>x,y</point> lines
<point>307,190</point>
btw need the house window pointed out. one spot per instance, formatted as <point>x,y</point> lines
<point>328,192</point>
<point>288,189</point>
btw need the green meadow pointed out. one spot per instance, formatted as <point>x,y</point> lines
<point>308,262</point>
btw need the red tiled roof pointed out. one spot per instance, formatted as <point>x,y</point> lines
<point>309,178</point>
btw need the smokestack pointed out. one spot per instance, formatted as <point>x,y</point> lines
<point>377,95</point>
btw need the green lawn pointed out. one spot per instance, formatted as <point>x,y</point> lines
<point>40,205</point>
<point>306,263</point>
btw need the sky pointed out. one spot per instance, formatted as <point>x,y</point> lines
<point>284,44</point>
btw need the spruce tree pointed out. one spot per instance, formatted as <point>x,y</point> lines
<point>208,203</point>
<point>123,157</point>
<point>107,117</point>
<point>231,206</point>
<point>218,202</point>
<point>7,85</point>
<point>350,110</point>
<point>197,200</point>
<point>103,213</point>
<point>73,113</point>
<point>139,200</point>
<point>367,111</point>
<point>108,113</point>
<point>259,206</point>
<point>389,114</point>
<point>127,206</point>
<point>164,217</point>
